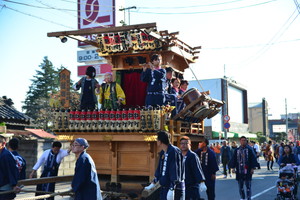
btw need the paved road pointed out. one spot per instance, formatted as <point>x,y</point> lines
<point>263,186</point>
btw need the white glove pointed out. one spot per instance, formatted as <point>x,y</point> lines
<point>149,187</point>
<point>202,187</point>
<point>170,195</point>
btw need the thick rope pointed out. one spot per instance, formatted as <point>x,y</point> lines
<point>192,72</point>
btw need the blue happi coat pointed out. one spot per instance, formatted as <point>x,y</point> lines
<point>192,170</point>
<point>156,80</point>
<point>243,160</point>
<point>209,165</point>
<point>21,165</point>
<point>8,174</point>
<point>85,183</point>
<point>169,169</point>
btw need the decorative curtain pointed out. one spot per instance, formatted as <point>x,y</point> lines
<point>135,90</point>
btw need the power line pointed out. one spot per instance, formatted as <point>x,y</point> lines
<point>34,6</point>
<point>267,46</point>
<point>200,12</point>
<point>193,6</point>
<point>52,7</point>
<point>113,7</point>
<point>36,17</point>
<point>250,46</point>
<point>297,5</point>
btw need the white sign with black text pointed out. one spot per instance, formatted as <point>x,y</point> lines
<point>88,55</point>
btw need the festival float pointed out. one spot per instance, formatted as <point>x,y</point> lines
<point>123,142</point>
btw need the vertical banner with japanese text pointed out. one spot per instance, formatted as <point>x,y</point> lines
<point>64,77</point>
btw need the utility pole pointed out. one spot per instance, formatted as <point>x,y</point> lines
<point>128,8</point>
<point>286,120</point>
<point>264,117</point>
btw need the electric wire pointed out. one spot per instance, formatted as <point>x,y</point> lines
<point>174,7</point>
<point>297,5</point>
<point>37,17</point>
<point>52,7</point>
<point>267,46</point>
<point>194,6</point>
<point>139,8</point>
<point>201,12</point>
<point>249,46</point>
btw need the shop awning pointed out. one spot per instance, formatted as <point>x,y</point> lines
<point>247,135</point>
<point>215,134</point>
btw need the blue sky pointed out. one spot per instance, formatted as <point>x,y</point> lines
<point>258,41</point>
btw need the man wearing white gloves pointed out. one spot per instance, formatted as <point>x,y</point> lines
<point>192,171</point>
<point>169,169</point>
<point>209,166</point>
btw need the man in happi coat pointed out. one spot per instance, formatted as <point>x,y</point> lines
<point>243,163</point>
<point>85,183</point>
<point>13,146</point>
<point>155,76</point>
<point>169,170</point>
<point>192,172</point>
<point>8,172</point>
<point>51,160</point>
<point>209,166</point>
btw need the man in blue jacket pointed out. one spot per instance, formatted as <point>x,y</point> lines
<point>225,158</point>
<point>169,169</point>
<point>192,171</point>
<point>13,146</point>
<point>209,166</point>
<point>243,163</point>
<point>8,172</point>
<point>155,76</point>
<point>85,183</point>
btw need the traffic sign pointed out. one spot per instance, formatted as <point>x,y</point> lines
<point>226,118</point>
<point>227,125</point>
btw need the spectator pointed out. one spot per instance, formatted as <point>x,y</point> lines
<point>217,150</point>
<point>225,157</point>
<point>269,155</point>
<point>233,147</point>
<point>288,157</point>
<point>256,152</point>
<point>296,149</point>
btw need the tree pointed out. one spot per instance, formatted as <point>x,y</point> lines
<point>44,83</point>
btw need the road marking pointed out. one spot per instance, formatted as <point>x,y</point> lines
<point>262,192</point>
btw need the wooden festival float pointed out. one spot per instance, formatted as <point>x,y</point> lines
<point>123,142</point>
